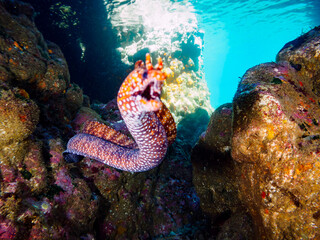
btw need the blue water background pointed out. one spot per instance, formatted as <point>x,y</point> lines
<point>242,34</point>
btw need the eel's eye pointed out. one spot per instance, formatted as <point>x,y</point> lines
<point>145,74</point>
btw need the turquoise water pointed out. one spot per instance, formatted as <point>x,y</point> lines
<point>241,34</point>
<point>238,34</point>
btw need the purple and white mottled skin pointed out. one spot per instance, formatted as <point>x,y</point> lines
<point>138,100</point>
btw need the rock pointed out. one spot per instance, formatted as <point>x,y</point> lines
<point>36,66</point>
<point>7,229</point>
<point>238,226</point>
<point>22,45</point>
<point>184,91</point>
<point>303,55</point>
<point>74,98</point>
<point>150,204</point>
<point>18,116</point>
<point>180,46</point>
<point>39,197</point>
<point>276,141</point>
<point>218,134</point>
<point>83,115</point>
<point>191,127</point>
<point>56,79</point>
<point>216,182</point>
<point>33,168</point>
<point>215,175</point>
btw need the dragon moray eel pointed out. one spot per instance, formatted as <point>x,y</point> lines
<point>146,117</point>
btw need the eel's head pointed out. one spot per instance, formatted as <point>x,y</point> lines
<point>140,92</point>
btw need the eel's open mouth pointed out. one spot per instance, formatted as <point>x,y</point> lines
<point>149,96</point>
<point>151,92</point>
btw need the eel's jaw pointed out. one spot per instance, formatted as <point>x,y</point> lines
<point>148,98</point>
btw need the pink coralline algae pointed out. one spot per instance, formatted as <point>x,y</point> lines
<point>64,181</point>
<point>7,229</point>
<point>35,172</point>
<point>83,115</point>
<point>111,173</point>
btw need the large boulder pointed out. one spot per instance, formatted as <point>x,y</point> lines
<point>276,141</point>
<point>272,130</point>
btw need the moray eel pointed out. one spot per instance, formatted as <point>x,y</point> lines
<point>146,117</point>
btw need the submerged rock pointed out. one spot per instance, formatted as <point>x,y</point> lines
<point>275,145</point>
<point>18,116</point>
<point>38,196</point>
<point>74,98</point>
<point>218,134</point>
<point>216,178</point>
<point>238,226</point>
<point>276,141</point>
<point>273,133</point>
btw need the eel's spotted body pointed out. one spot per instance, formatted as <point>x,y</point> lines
<point>147,118</point>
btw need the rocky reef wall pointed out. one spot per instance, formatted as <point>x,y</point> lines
<point>267,168</point>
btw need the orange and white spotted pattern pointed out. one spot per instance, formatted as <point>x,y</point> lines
<point>147,118</point>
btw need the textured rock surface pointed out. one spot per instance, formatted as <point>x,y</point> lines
<point>276,141</point>
<point>18,116</point>
<point>273,171</point>
<point>238,226</point>
<point>159,203</point>
<point>213,169</point>
<point>74,98</point>
<point>275,144</point>
<point>39,197</point>
<point>215,178</point>
<point>26,56</point>
<point>156,204</point>
<point>218,134</point>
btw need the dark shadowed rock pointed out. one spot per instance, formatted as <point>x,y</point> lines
<point>237,227</point>
<point>218,134</point>
<point>216,178</point>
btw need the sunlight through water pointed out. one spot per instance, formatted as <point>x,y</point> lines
<point>237,34</point>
